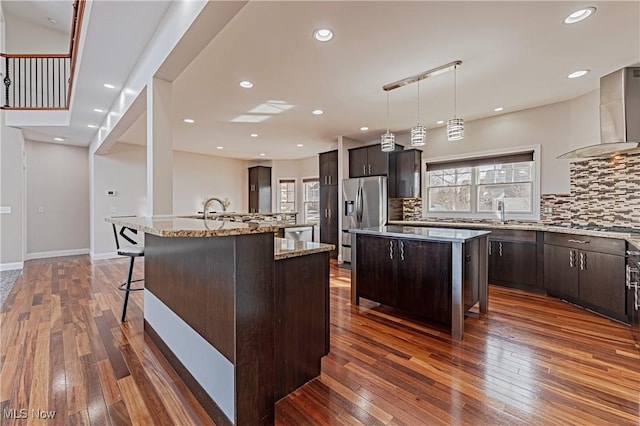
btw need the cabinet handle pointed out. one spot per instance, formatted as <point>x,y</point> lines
<point>500,248</point>
<point>572,259</point>
<point>629,271</point>
<point>330,180</point>
<point>583,261</point>
<point>329,210</point>
<point>490,242</point>
<point>391,249</point>
<point>369,168</point>
<point>364,169</point>
<point>578,241</point>
<point>402,250</point>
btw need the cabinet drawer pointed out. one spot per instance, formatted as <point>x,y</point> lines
<point>512,235</point>
<point>586,242</point>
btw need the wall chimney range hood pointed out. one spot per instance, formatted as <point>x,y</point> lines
<point>619,116</point>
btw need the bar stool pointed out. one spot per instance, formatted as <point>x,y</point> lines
<point>132,252</point>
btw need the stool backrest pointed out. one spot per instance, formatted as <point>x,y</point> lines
<point>122,234</point>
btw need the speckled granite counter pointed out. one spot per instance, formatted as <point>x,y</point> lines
<point>189,227</point>
<point>285,249</point>
<point>422,233</point>
<point>525,226</point>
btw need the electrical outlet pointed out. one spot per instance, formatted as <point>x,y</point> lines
<point>5,210</point>
<point>113,209</point>
<point>548,209</point>
<point>40,209</point>
<point>112,193</point>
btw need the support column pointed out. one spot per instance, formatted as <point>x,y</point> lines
<point>159,148</point>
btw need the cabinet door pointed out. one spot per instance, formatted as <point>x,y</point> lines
<point>378,161</point>
<point>329,216</point>
<point>561,270</point>
<point>253,190</point>
<point>329,168</point>
<point>264,189</point>
<point>358,162</point>
<point>407,173</point>
<point>379,281</point>
<point>514,262</point>
<point>424,279</point>
<point>602,280</point>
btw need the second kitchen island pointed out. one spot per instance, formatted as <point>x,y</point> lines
<point>435,273</point>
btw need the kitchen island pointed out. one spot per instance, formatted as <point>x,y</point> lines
<point>435,273</point>
<point>240,315</point>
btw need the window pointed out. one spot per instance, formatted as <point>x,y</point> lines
<point>311,188</point>
<point>287,195</point>
<point>473,187</point>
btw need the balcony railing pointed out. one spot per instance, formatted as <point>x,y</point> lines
<point>42,81</point>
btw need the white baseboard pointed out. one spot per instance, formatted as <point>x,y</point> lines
<point>103,256</point>
<point>11,266</point>
<point>56,253</point>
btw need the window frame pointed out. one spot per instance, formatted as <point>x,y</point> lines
<point>304,200</point>
<point>294,181</point>
<point>474,213</point>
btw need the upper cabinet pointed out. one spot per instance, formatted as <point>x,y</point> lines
<point>405,180</point>
<point>369,161</point>
<point>259,189</point>
<point>329,168</point>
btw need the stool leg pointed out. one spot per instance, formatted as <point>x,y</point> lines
<point>127,291</point>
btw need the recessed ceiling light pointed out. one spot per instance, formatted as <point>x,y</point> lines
<point>579,15</point>
<point>364,128</point>
<point>219,147</point>
<point>498,109</point>
<point>98,110</point>
<point>58,139</point>
<point>189,120</point>
<point>578,74</point>
<point>440,122</point>
<point>109,86</point>
<point>246,84</point>
<point>53,21</point>
<point>317,112</point>
<point>254,135</point>
<point>299,145</point>
<point>262,154</point>
<point>92,126</point>
<point>323,34</point>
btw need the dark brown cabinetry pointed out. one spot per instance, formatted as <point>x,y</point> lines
<point>259,189</point>
<point>369,161</point>
<point>396,274</point>
<point>513,258</point>
<point>405,180</point>
<point>328,167</point>
<point>587,270</point>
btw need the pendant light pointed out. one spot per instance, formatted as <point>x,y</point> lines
<point>455,126</point>
<point>418,132</point>
<point>387,140</point>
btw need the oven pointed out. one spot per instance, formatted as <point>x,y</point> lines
<point>633,291</point>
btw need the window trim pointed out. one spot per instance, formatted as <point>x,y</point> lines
<point>477,158</point>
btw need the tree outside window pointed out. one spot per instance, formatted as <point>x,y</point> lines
<point>311,190</point>
<point>287,195</point>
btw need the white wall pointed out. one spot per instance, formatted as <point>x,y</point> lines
<point>558,128</point>
<point>57,188</point>
<point>197,177</point>
<point>12,196</point>
<point>25,37</point>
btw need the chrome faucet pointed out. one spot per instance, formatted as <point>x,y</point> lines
<point>500,206</point>
<point>208,201</point>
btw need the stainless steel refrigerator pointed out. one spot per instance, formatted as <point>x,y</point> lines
<point>365,206</point>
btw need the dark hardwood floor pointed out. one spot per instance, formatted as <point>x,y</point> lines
<point>531,360</point>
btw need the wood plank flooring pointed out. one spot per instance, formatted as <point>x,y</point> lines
<point>532,360</point>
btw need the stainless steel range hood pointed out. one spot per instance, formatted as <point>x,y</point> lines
<point>619,115</point>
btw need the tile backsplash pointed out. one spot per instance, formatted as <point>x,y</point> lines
<point>604,191</point>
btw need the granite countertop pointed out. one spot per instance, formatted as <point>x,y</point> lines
<point>525,226</point>
<point>421,233</point>
<point>285,249</point>
<point>276,223</point>
<point>190,227</point>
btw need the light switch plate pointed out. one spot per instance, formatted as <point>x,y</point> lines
<point>5,210</point>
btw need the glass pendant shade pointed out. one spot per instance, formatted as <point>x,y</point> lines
<point>418,135</point>
<point>455,129</point>
<point>388,142</point>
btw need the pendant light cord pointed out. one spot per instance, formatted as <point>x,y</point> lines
<point>387,112</point>
<point>418,101</point>
<point>455,93</point>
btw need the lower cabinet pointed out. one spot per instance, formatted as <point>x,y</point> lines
<point>513,258</point>
<point>398,275</point>
<point>589,271</point>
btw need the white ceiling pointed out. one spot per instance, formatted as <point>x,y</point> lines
<point>39,12</point>
<point>515,55</point>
